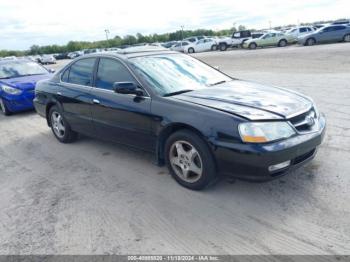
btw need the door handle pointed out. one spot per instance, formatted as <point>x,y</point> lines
<point>95,101</point>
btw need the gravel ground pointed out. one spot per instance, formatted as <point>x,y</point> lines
<point>93,197</point>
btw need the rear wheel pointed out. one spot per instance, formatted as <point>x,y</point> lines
<point>191,50</point>
<point>222,47</point>
<point>310,41</point>
<point>282,43</point>
<point>189,160</point>
<point>60,126</point>
<point>252,46</point>
<point>4,108</point>
<point>347,38</point>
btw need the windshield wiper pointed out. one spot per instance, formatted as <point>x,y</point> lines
<point>218,83</point>
<point>178,92</point>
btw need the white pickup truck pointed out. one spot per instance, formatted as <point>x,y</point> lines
<point>236,40</point>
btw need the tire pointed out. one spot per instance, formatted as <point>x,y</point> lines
<point>310,42</point>
<point>346,38</point>
<point>282,43</point>
<point>252,45</point>
<point>214,47</point>
<point>191,50</point>
<point>3,108</point>
<point>61,128</point>
<point>222,47</point>
<point>189,160</point>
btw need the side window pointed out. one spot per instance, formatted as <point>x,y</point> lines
<point>110,71</point>
<point>303,30</point>
<point>64,77</point>
<point>81,72</point>
<point>339,28</point>
<point>184,43</point>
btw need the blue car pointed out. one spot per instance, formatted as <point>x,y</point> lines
<point>17,83</point>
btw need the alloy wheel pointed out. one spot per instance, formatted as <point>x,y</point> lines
<point>310,42</point>
<point>186,161</point>
<point>58,124</point>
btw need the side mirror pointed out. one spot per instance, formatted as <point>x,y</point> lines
<point>127,88</point>
<point>51,70</point>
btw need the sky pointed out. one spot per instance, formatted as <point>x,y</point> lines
<point>43,22</point>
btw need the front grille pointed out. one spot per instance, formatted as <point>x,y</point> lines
<point>305,121</point>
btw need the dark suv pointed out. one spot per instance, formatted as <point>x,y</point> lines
<point>197,120</point>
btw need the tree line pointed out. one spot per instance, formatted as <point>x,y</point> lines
<point>132,39</point>
<point>117,41</point>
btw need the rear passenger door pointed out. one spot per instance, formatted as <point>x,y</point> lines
<point>123,118</point>
<point>75,97</point>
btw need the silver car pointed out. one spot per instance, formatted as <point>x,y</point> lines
<point>332,33</point>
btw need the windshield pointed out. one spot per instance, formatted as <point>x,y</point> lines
<point>12,69</point>
<point>174,73</point>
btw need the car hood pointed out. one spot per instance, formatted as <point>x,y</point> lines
<point>25,83</point>
<point>249,100</point>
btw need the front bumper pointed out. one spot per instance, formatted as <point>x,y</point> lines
<point>17,103</point>
<point>252,161</point>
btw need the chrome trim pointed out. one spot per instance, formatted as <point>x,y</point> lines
<point>94,87</point>
<point>299,112</point>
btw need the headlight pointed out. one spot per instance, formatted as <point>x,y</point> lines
<point>10,90</point>
<point>262,132</point>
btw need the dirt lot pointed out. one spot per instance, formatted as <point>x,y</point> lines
<point>93,197</point>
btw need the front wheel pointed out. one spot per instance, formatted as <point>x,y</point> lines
<point>282,43</point>
<point>189,160</point>
<point>214,47</point>
<point>60,126</point>
<point>310,42</point>
<point>4,108</point>
<point>347,38</point>
<point>191,50</point>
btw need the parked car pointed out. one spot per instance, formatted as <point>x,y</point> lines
<point>194,39</point>
<point>61,56</point>
<point>180,46</point>
<point>169,44</point>
<point>236,40</point>
<point>203,45</point>
<point>8,58</point>
<point>341,22</point>
<point>195,119</point>
<point>327,34</point>
<point>91,51</point>
<point>17,82</point>
<point>47,59</point>
<point>75,54</point>
<point>269,39</point>
<point>297,32</point>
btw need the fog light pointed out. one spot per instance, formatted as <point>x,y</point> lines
<point>279,166</point>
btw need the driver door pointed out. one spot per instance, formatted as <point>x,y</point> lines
<point>269,39</point>
<point>122,118</point>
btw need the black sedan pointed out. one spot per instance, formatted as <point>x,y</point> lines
<point>197,120</point>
